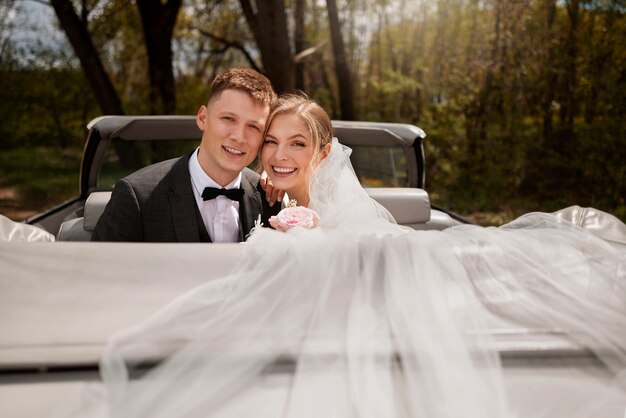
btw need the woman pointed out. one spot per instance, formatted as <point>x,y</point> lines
<point>370,318</point>
<point>296,139</point>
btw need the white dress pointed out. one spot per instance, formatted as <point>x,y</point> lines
<point>360,317</point>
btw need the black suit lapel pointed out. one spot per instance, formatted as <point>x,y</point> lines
<point>184,207</point>
<point>183,202</point>
<point>251,206</point>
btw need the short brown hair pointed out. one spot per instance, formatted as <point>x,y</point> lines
<point>256,85</point>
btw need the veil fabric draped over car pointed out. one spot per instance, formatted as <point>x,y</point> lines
<point>362,317</point>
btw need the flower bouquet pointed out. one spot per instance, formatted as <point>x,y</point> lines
<point>294,215</point>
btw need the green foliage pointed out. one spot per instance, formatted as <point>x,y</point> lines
<point>43,134</point>
<point>192,92</point>
<point>523,107</point>
<point>584,168</point>
<point>519,114</point>
<point>44,108</point>
<point>42,175</point>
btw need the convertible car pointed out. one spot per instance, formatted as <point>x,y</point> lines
<point>388,159</point>
<point>61,300</point>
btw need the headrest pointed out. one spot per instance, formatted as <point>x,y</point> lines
<point>407,205</point>
<point>94,206</point>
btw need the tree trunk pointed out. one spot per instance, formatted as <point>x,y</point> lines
<point>92,66</point>
<point>595,70</point>
<point>299,42</point>
<point>344,79</point>
<point>570,102</point>
<point>601,53</point>
<point>100,82</point>
<point>551,74</point>
<point>477,112</point>
<point>269,27</point>
<point>158,19</point>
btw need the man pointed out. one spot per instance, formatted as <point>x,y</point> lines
<point>208,195</point>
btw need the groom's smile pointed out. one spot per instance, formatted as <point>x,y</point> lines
<point>233,151</point>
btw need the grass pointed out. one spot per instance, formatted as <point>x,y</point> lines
<point>38,178</point>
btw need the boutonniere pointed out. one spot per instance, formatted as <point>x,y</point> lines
<point>257,224</point>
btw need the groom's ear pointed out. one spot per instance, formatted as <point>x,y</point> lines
<point>201,117</point>
<point>325,151</point>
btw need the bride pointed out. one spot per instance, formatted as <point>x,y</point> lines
<point>360,317</point>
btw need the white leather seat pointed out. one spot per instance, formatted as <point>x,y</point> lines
<point>80,229</point>
<point>409,206</point>
<point>73,230</point>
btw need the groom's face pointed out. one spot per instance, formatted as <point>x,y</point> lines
<point>232,129</point>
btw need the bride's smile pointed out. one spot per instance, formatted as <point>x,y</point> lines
<point>283,171</point>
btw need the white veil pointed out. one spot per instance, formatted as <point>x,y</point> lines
<point>362,317</point>
<point>337,196</point>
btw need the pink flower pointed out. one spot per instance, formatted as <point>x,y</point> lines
<point>294,216</point>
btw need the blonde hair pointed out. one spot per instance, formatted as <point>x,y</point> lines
<point>313,115</point>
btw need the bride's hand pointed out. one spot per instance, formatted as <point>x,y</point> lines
<point>272,194</point>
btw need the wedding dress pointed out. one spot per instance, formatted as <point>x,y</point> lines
<point>361,317</point>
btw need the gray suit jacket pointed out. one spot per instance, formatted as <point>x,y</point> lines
<point>157,204</point>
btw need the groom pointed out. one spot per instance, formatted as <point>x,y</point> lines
<point>208,195</point>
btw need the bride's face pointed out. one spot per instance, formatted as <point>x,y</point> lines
<point>287,153</point>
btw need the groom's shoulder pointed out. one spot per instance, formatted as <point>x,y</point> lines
<point>154,171</point>
<point>252,176</point>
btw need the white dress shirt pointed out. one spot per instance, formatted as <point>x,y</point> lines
<point>220,215</point>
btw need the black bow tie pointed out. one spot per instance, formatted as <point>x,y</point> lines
<point>212,192</point>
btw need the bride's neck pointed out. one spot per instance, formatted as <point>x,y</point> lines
<point>301,196</point>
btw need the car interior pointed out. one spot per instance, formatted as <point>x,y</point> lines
<point>388,159</point>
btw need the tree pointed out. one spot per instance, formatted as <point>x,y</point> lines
<point>569,107</point>
<point>299,42</point>
<point>549,68</point>
<point>342,71</point>
<point>107,97</point>
<point>7,49</point>
<point>159,18</point>
<point>80,39</point>
<point>269,27</point>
